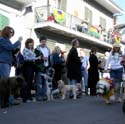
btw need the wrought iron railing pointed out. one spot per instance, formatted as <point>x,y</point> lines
<point>71,22</point>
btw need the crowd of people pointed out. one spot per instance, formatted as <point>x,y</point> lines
<point>32,62</point>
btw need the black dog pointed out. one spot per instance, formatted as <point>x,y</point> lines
<point>10,86</point>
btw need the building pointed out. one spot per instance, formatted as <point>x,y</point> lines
<point>68,15</point>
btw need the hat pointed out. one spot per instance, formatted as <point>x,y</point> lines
<point>116,45</point>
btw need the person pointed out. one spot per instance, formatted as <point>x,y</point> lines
<point>29,67</point>
<point>44,51</point>
<point>84,26</point>
<point>73,62</point>
<point>51,18</point>
<point>18,62</point>
<point>84,68</point>
<point>93,74</point>
<point>6,50</point>
<point>102,62</point>
<point>116,69</point>
<point>6,55</point>
<point>58,61</point>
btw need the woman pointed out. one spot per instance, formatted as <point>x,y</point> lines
<point>6,50</point>
<point>116,69</point>
<point>58,61</point>
<point>74,64</point>
<point>93,74</point>
<point>84,69</point>
<point>29,66</point>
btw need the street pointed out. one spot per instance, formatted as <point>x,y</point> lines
<point>86,110</point>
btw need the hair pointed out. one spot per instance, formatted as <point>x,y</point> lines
<point>42,38</point>
<point>57,49</point>
<point>73,42</point>
<point>93,50</point>
<point>29,40</point>
<point>6,31</point>
<point>114,50</point>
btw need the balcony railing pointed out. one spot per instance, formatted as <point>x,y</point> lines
<point>71,22</point>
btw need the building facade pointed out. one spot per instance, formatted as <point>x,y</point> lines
<point>70,16</point>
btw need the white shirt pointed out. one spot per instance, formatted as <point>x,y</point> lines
<point>46,53</point>
<point>114,61</point>
<point>85,61</point>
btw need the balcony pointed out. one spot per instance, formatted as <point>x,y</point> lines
<point>69,27</point>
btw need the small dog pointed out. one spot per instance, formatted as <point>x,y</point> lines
<point>10,87</point>
<point>64,89</point>
<point>49,77</point>
<point>105,88</point>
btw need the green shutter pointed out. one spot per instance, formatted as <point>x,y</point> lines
<point>103,22</point>
<point>88,15</point>
<point>4,21</point>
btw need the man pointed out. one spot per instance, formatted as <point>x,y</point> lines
<point>44,51</point>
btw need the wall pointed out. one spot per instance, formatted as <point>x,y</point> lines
<point>79,5</point>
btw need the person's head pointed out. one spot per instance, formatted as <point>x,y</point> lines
<point>82,53</point>
<point>43,41</point>
<point>116,48</point>
<point>29,43</point>
<point>93,50</point>
<point>57,50</point>
<point>75,43</point>
<point>7,32</point>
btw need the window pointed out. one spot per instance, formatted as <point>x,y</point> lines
<point>103,22</point>
<point>88,15</point>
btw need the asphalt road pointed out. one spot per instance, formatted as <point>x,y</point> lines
<point>87,110</point>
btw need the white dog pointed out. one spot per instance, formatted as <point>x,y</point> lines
<point>64,89</point>
<point>49,77</point>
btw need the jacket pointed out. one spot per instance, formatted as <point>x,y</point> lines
<point>6,50</point>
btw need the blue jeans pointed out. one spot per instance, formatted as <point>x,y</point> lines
<point>85,75</point>
<point>40,86</point>
<point>4,70</point>
<point>116,75</point>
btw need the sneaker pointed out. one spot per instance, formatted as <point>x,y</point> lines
<point>119,100</point>
<point>13,101</point>
<point>39,99</point>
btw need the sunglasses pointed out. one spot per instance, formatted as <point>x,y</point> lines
<point>11,32</point>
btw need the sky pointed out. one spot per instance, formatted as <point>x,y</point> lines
<point>121,3</point>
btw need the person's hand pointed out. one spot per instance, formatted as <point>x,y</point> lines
<point>20,38</point>
<point>39,57</point>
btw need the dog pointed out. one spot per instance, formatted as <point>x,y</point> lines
<point>9,88</point>
<point>48,76</point>
<point>105,88</point>
<point>64,89</point>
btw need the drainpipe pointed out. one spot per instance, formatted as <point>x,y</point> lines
<point>48,8</point>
